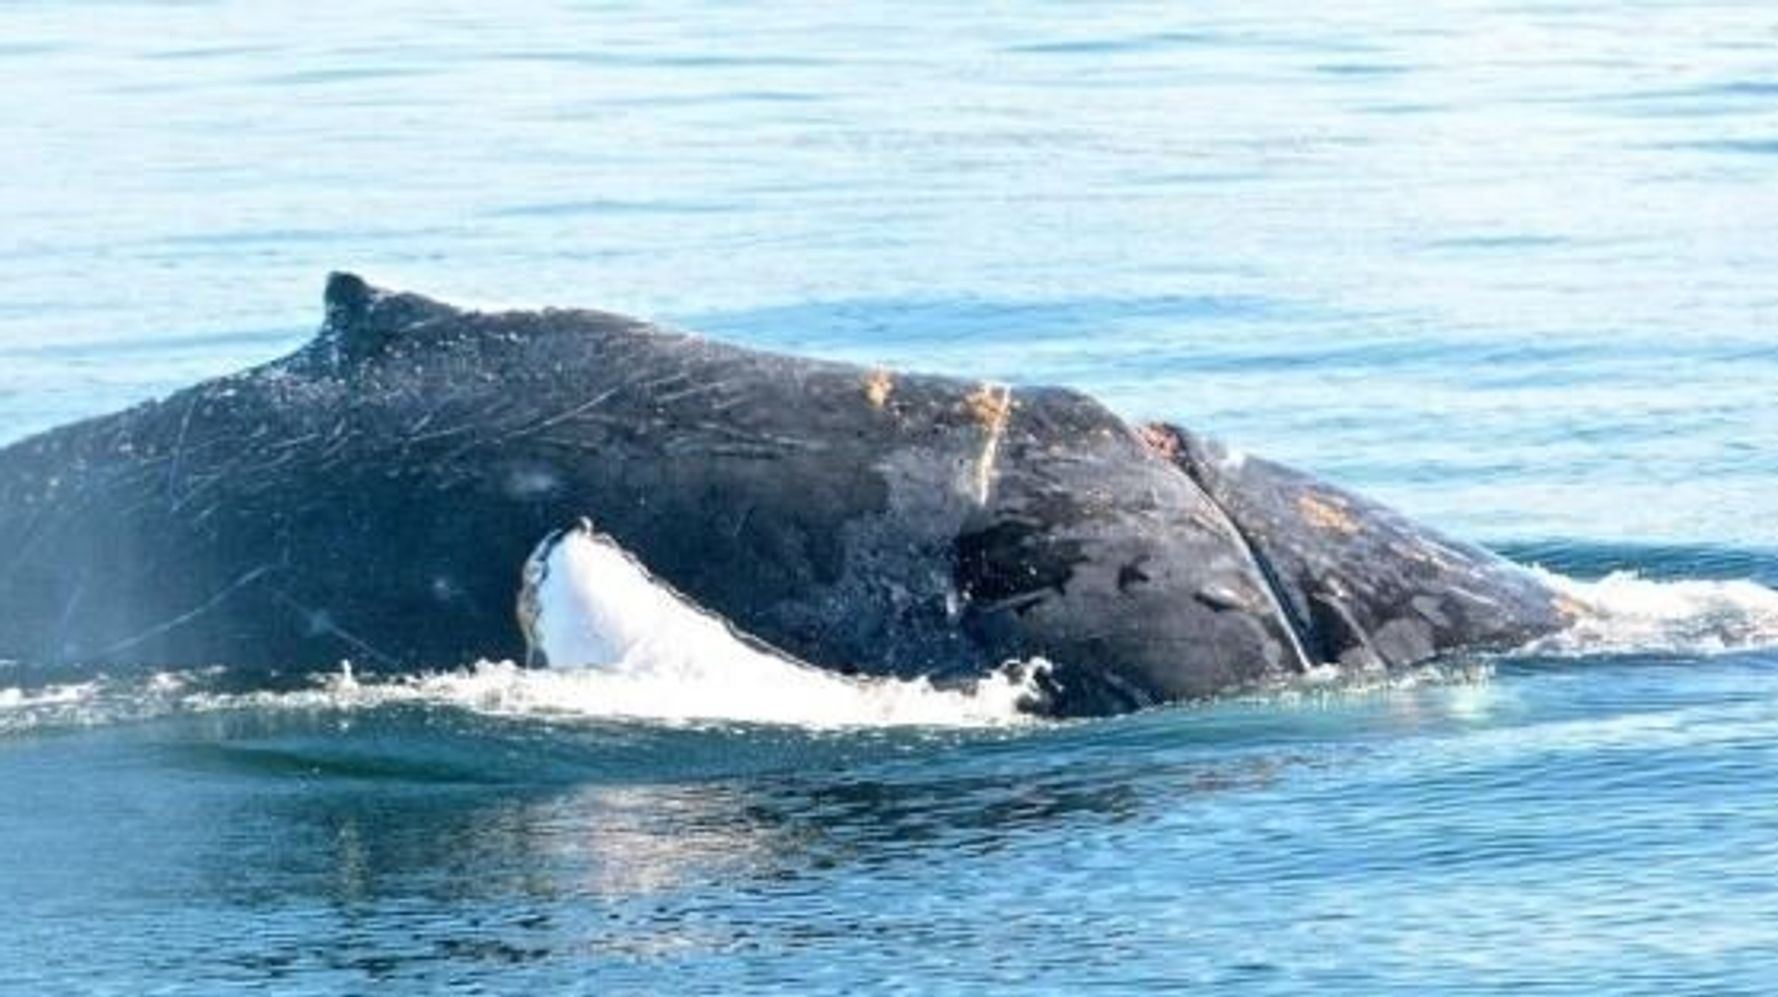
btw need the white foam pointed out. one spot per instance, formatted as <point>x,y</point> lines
<point>1626,613</point>
<point>793,697</point>
<point>18,698</point>
<point>789,694</point>
<point>70,704</point>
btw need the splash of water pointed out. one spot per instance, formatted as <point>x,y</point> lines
<point>1624,612</point>
<point>792,696</point>
<point>76,704</point>
<point>677,688</point>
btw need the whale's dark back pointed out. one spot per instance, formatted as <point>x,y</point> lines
<point>373,496</point>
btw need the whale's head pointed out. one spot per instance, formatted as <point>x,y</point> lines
<point>1359,584</point>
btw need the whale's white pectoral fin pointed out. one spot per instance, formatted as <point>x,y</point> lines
<point>624,643</point>
<point>586,602</point>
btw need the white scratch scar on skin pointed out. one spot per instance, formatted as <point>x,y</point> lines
<point>991,405</point>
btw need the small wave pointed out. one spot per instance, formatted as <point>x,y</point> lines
<point>84,704</point>
<point>1625,613</point>
<point>794,697</point>
<point>18,698</point>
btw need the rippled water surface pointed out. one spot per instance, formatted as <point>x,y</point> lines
<point>1508,265</point>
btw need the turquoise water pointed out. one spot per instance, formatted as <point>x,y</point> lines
<point>1507,265</point>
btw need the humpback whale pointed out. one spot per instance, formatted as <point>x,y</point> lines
<point>378,494</point>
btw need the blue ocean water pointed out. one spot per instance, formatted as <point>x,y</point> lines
<point>1506,264</point>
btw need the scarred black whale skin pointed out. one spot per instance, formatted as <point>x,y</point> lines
<point>373,496</point>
